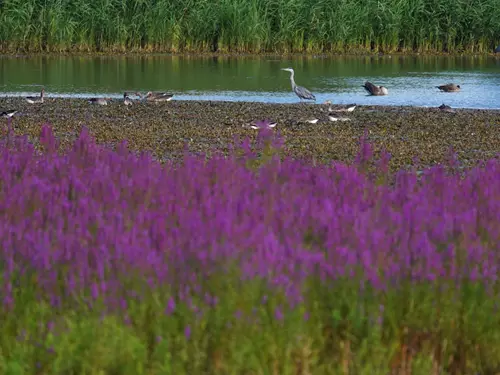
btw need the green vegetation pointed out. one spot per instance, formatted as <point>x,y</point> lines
<point>284,26</point>
<point>335,331</point>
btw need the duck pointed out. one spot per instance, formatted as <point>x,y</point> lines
<point>156,96</point>
<point>345,108</point>
<point>263,124</point>
<point>375,90</point>
<point>36,99</point>
<point>100,101</point>
<point>126,99</point>
<point>313,121</point>
<point>8,114</point>
<point>332,118</point>
<point>450,87</point>
<point>446,108</point>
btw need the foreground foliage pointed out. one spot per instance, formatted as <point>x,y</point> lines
<point>112,263</point>
<point>250,25</point>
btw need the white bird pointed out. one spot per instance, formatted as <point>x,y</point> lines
<point>331,118</point>
<point>263,124</point>
<point>8,113</point>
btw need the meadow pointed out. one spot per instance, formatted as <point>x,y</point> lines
<point>252,263</point>
<point>249,26</point>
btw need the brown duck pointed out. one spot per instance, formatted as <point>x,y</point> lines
<point>375,90</point>
<point>450,87</point>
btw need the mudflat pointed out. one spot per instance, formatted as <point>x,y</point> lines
<point>166,128</point>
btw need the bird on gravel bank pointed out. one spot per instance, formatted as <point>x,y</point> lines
<point>36,99</point>
<point>8,113</point>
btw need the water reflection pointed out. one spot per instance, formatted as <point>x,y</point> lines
<point>411,79</point>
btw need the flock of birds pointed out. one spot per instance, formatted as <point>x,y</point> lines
<point>305,94</point>
<point>301,92</point>
<point>150,97</point>
<point>372,89</point>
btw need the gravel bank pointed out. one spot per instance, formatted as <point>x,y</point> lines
<point>164,128</point>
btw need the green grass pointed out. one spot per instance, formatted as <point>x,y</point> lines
<point>335,330</point>
<point>283,26</point>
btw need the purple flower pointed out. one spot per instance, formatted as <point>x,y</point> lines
<point>187,332</point>
<point>170,306</point>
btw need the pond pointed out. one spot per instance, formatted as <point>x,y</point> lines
<point>411,80</point>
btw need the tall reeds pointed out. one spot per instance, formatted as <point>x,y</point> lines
<point>249,25</point>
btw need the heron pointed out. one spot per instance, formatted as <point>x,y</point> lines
<point>450,87</point>
<point>497,50</point>
<point>36,99</point>
<point>375,90</point>
<point>301,92</point>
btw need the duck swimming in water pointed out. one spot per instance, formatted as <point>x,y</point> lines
<point>375,90</point>
<point>450,87</point>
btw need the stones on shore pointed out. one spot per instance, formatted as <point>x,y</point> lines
<point>163,129</point>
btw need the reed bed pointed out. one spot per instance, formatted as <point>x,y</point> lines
<point>251,26</point>
<point>112,263</point>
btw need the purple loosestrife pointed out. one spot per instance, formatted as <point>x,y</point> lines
<point>88,221</point>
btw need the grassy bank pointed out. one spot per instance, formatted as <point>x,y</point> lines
<point>249,25</point>
<point>111,263</point>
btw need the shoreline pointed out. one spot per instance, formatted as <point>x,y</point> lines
<point>118,97</point>
<point>145,53</point>
<point>165,128</point>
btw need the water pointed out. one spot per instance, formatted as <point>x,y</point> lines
<point>411,80</point>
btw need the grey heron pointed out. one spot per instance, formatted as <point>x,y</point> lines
<point>450,87</point>
<point>301,92</point>
<point>36,99</point>
<point>375,90</point>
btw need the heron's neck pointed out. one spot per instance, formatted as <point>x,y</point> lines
<point>292,80</point>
